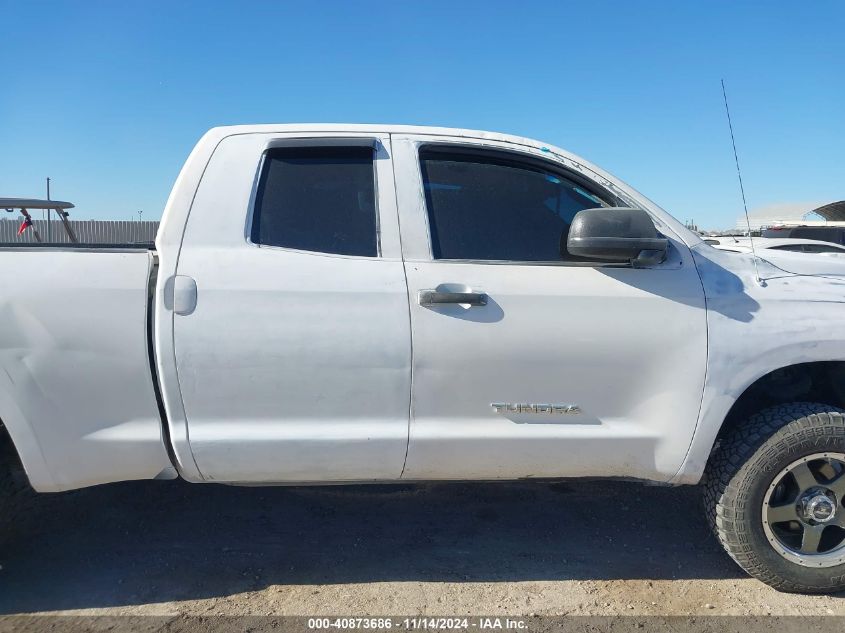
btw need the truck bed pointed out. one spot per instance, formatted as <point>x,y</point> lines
<point>76,386</point>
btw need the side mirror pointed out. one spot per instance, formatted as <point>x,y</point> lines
<point>616,234</point>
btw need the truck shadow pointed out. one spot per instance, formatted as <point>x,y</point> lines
<point>151,542</point>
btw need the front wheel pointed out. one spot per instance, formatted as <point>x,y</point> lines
<point>774,492</point>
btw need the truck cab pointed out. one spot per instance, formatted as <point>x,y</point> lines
<point>309,348</point>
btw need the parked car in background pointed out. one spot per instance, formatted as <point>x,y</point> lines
<point>762,244</point>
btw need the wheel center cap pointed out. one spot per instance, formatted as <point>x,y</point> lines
<point>820,508</point>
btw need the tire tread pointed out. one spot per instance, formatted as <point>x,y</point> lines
<point>765,434</point>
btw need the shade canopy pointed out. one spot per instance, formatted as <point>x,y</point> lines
<point>793,214</point>
<point>833,212</point>
<point>32,203</point>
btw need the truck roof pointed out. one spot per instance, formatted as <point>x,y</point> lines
<point>370,128</point>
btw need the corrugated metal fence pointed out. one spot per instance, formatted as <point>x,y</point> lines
<point>87,231</point>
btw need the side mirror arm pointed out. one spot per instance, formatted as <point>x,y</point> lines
<point>650,257</point>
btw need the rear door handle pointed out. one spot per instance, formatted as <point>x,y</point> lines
<point>433,298</point>
<point>184,294</point>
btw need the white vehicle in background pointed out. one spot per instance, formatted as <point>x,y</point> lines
<point>362,303</point>
<point>763,244</point>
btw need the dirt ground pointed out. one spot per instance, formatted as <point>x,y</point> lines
<point>166,548</point>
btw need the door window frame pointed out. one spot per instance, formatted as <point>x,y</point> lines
<point>387,229</point>
<point>413,210</point>
<point>516,160</point>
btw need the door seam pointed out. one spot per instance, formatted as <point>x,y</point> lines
<point>408,295</point>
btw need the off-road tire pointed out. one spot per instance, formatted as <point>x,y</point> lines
<point>741,469</point>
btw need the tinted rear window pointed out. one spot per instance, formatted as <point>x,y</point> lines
<point>318,199</point>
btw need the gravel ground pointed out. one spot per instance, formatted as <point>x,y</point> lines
<point>581,548</point>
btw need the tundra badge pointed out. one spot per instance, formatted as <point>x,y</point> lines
<point>549,409</point>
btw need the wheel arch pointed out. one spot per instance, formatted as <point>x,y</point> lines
<point>24,447</point>
<point>816,381</point>
<point>10,457</point>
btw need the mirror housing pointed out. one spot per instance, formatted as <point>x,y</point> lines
<point>616,234</point>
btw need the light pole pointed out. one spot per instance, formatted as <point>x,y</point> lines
<point>49,211</point>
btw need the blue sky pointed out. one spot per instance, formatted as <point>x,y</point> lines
<point>108,98</point>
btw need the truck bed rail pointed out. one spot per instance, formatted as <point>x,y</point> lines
<point>88,246</point>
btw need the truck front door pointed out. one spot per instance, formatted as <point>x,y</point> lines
<point>527,362</point>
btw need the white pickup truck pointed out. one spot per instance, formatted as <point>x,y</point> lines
<point>362,303</point>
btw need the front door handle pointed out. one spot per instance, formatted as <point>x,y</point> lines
<point>433,298</point>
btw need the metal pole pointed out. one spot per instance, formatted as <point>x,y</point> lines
<point>35,234</point>
<point>49,211</point>
<point>63,217</point>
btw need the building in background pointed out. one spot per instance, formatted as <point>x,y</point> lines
<point>809,213</point>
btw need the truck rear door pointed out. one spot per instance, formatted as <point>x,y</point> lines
<point>291,324</point>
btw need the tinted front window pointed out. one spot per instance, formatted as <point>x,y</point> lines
<point>492,208</point>
<point>317,199</point>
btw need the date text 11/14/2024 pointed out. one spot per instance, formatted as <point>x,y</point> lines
<point>417,623</point>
